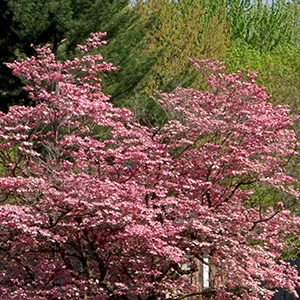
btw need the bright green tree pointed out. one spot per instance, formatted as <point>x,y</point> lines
<point>260,25</point>
<point>266,37</point>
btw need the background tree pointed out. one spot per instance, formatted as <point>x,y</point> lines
<point>63,24</point>
<point>157,37</point>
<point>259,25</point>
<point>162,34</point>
<point>265,38</point>
<point>183,29</point>
<point>278,71</point>
<point>157,44</point>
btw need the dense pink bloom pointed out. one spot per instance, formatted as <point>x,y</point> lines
<point>100,207</point>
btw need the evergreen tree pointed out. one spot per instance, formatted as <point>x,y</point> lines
<point>63,24</point>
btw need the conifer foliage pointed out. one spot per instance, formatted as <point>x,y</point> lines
<point>97,206</point>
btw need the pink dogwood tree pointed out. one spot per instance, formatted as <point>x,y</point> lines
<point>96,206</point>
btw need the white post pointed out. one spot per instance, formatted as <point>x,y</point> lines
<point>205,271</point>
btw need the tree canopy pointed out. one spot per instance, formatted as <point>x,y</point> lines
<point>98,206</point>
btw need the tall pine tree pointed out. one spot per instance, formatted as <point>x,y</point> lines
<point>63,24</point>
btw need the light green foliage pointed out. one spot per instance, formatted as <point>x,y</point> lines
<point>14,157</point>
<point>266,37</point>
<point>182,29</point>
<point>261,26</point>
<point>279,71</point>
